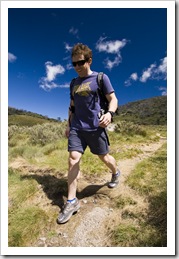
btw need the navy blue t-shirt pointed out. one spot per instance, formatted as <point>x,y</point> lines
<point>87,106</point>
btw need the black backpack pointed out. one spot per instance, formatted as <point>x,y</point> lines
<point>103,100</point>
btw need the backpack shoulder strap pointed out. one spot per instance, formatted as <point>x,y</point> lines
<point>100,80</point>
<point>104,101</point>
<point>71,87</point>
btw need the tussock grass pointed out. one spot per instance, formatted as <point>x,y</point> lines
<point>47,153</point>
<point>131,235</point>
<point>25,224</point>
<point>124,201</point>
<point>19,190</point>
<point>148,228</point>
<point>149,176</point>
<point>124,153</point>
<point>92,165</point>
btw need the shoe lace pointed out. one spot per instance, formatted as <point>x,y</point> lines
<point>67,207</point>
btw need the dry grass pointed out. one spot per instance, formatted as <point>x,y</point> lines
<point>144,225</point>
<point>38,188</point>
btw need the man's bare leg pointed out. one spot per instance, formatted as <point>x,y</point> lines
<point>73,173</point>
<point>109,161</point>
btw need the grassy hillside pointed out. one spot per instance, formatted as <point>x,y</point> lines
<point>26,118</point>
<point>152,111</point>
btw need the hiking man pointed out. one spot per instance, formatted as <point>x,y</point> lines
<point>86,124</point>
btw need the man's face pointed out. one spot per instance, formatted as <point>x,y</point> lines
<point>81,65</point>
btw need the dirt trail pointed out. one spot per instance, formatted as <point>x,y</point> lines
<point>89,227</point>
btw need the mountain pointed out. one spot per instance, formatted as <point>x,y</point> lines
<point>26,118</point>
<point>152,111</point>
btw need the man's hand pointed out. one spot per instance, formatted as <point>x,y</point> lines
<point>105,120</point>
<point>67,132</point>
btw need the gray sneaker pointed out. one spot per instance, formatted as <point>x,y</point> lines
<point>114,180</point>
<point>68,211</point>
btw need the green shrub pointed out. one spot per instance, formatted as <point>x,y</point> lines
<point>129,128</point>
<point>46,133</point>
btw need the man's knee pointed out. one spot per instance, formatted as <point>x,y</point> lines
<point>107,159</point>
<point>74,158</point>
<point>104,158</point>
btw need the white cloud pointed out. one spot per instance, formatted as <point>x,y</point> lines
<point>148,73</point>
<point>47,83</point>
<point>74,32</point>
<point>133,77</point>
<point>127,82</point>
<point>110,64</point>
<point>163,90</point>
<point>162,69</point>
<point>111,47</point>
<point>47,86</point>
<point>53,71</point>
<point>153,72</point>
<point>69,66</point>
<point>11,57</point>
<point>68,47</point>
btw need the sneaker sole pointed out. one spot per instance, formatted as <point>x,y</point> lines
<point>69,216</point>
<point>111,187</point>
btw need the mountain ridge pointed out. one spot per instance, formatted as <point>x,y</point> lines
<point>151,111</point>
<point>146,111</point>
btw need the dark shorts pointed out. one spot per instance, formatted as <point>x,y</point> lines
<point>97,141</point>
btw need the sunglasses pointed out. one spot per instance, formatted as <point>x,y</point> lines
<point>79,63</point>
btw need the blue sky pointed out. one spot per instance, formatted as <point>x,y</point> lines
<point>129,45</point>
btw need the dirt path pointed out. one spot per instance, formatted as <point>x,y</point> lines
<point>90,226</point>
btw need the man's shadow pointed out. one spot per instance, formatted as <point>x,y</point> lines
<point>54,188</point>
<point>57,188</point>
<point>90,190</point>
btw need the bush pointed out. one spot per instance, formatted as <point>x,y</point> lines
<point>38,134</point>
<point>17,135</point>
<point>129,128</point>
<point>46,133</point>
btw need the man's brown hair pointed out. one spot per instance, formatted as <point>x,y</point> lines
<point>81,49</point>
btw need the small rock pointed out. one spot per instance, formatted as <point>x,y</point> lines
<point>41,244</point>
<point>65,235</point>
<point>43,239</point>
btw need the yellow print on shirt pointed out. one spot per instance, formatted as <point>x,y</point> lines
<point>83,89</point>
